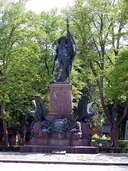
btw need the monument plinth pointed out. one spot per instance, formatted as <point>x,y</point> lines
<point>60,99</point>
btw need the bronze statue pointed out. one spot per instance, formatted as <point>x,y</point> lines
<point>39,108</point>
<point>65,52</point>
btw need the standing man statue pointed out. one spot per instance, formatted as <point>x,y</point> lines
<point>65,52</point>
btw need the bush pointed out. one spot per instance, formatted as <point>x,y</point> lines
<point>101,137</point>
<point>101,140</point>
<point>123,145</point>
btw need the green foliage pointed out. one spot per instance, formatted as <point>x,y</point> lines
<point>123,144</point>
<point>98,28</point>
<point>101,137</point>
<point>118,77</point>
<point>26,55</point>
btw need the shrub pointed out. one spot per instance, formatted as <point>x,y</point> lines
<point>123,144</point>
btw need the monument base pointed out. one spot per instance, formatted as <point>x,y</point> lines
<point>59,149</point>
<point>60,132</point>
<point>73,140</point>
<point>60,139</point>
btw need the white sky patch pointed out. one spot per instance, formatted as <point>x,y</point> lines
<point>45,5</point>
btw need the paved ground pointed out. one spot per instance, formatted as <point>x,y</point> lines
<point>97,159</point>
<point>54,167</point>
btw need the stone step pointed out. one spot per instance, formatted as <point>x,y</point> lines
<point>59,149</point>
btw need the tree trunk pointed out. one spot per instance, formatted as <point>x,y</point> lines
<point>114,134</point>
<point>115,123</point>
<point>2,111</point>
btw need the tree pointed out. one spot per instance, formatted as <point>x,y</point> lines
<point>102,28</point>
<point>118,78</point>
<point>27,43</point>
<point>118,92</point>
<point>7,40</point>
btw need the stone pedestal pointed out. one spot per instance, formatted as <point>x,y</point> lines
<point>60,131</point>
<point>60,99</point>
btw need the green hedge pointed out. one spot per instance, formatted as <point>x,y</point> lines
<point>123,143</point>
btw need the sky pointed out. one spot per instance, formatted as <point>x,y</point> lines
<point>45,5</point>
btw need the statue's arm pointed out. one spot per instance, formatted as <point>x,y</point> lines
<point>71,43</point>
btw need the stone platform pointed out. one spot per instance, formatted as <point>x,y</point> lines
<point>60,149</point>
<point>55,139</point>
<point>60,132</point>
